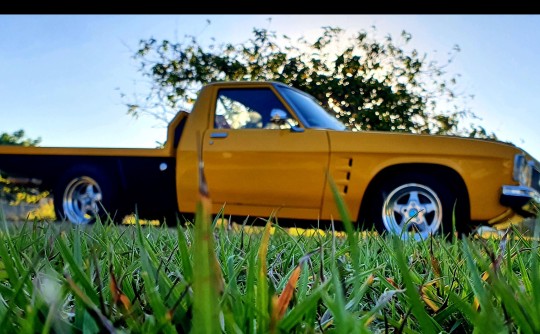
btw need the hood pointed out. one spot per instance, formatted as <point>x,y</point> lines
<point>418,144</point>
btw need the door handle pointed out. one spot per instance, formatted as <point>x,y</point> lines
<point>219,135</point>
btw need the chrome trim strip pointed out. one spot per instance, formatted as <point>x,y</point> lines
<point>521,191</point>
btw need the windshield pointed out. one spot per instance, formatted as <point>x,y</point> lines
<point>310,112</point>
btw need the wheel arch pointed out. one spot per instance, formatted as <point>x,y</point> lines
<point>112,170</point>
<point>451,178</point>
<point>69,164</point>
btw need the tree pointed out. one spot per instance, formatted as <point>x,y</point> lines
<point>11,192</point>
<point>18,138</point>
<point>368,84</point>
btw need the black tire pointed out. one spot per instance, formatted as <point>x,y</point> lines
<point>84,193</point>
<point>415,205</point>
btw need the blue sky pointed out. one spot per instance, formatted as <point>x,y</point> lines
<point>61,73</point>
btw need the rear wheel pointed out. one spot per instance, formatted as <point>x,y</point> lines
<point>83,194</point>
<point>415,206</point>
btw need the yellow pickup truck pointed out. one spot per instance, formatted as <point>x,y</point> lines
<point>268,149</point>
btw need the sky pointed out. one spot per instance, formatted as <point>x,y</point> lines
<point>62,75</point>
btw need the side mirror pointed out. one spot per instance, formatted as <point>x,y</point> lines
<point>278,116</point>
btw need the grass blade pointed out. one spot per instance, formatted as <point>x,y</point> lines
<point>285,296</point>
<point>78,274</point>
<point>263,299</point>
<point>411,290</point>
<point>293,318</point>
<point>206,278</point>
<point>184,252</point>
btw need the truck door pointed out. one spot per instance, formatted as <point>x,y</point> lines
<point>256,155</point>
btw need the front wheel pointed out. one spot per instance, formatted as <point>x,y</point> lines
<point>415,206</point>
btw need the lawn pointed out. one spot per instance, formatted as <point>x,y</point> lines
<point>205,277</point>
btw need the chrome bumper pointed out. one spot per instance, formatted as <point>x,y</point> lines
<point>524,200</point>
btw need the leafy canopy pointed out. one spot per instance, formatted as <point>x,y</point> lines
<point>18,138</point>
<point>367,83</point>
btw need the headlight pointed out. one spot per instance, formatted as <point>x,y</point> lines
<point>523,170</point>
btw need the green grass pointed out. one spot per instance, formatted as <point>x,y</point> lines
<point>207,278</point>
<point>57,278</point>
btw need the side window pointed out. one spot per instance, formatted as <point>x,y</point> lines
<point>251,108</point>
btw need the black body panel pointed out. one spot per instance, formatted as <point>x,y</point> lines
<point>140,182</point>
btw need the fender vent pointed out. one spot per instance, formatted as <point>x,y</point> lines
<point>342,173</point>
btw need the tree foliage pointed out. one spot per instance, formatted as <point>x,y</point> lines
<point>368,83</point>
<point>18,138</point>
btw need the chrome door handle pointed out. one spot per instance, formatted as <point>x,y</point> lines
<point>219,135</point>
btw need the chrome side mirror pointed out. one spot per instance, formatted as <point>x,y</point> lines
<point>278,116</point>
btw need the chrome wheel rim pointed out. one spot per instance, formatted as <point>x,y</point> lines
<point>412,211</point>
<point>81,200</point>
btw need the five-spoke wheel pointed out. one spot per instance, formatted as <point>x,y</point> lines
<point>83,194</point>
<point>415,205</point>
<point>81,200</point>
<point>412,210</point>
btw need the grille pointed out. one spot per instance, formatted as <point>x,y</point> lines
<point>535,182</point>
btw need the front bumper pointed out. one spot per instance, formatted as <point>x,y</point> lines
<point>523,200</point>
